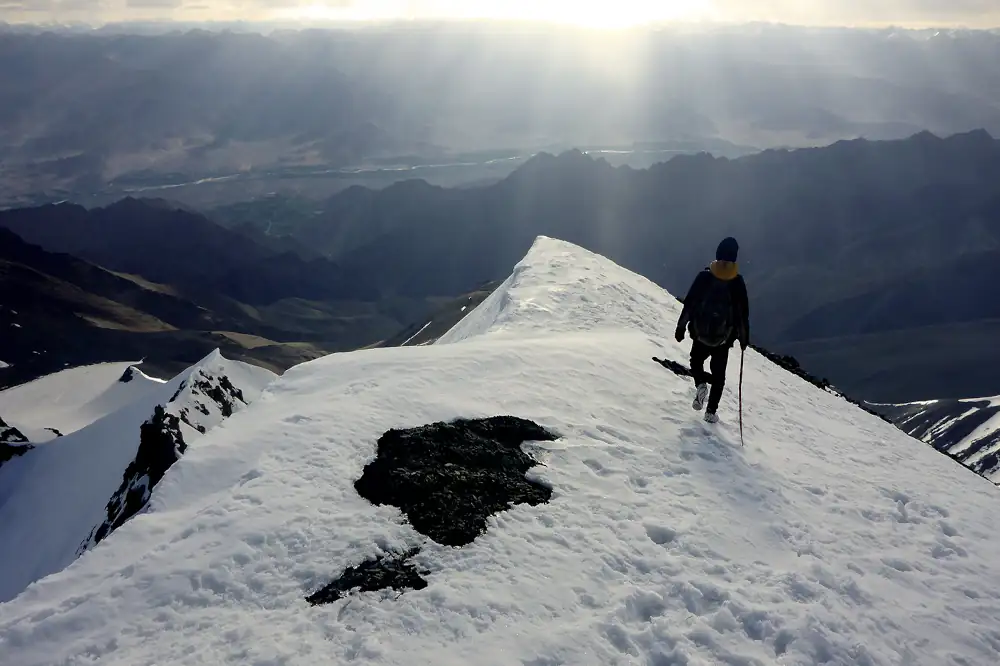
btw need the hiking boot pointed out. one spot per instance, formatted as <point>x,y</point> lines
<point>700,397</point>
<point>711,417</point>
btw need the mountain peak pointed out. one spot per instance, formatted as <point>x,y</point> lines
<point>121,438</point>
<point>974,137</point>
<point>534,299</point>
<point>925,136</point>
<point>637,529</point>
<point>572,163</point>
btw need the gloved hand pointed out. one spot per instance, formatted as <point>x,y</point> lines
<point>679,334</point>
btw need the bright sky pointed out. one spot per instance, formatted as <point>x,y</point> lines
<point>591,13</point>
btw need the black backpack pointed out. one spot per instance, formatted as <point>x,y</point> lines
<point>712,322</point>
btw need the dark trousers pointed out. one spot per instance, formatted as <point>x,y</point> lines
<point>720,358</point>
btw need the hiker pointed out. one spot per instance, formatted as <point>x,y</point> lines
<point>716,314</point>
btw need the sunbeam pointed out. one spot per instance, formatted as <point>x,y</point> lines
<point>585,13</point>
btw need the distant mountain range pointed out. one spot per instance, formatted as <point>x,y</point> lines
<point>166,244</point>
<point>966,430</point>
<point>881,248</point>
<point>870,262</point>
<point>90,112</point>
<point>57,310</point>
<point>144,279</point>
<point>428,329</point>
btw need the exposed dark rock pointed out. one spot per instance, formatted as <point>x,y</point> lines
<point>160,446</point>
<point>978,446</point>
<point>11,435</point>
<point>128,375</point>
<point>186,418</point>
<point>989,464</point>
<point>448,478</point>
<point>218,389</point>
<point>383,572</point>
<point>55,431</point>
<point>178,391</point>
<point>223,393</point>
<point>230,389</point>
<point>674,367</point>
<point>13,443</point>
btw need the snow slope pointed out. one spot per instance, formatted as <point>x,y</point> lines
<point>832,538</point>
<point>54,497</point>
<point>73,398</point>
<point>966,430</point>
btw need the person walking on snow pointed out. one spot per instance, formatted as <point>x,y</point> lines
<point>716,314</point>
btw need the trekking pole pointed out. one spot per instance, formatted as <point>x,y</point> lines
<point>742,354</point>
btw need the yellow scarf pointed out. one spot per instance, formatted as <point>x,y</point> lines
<point>724,270</point>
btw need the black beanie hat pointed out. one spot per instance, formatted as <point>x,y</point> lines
<point>728,249</point>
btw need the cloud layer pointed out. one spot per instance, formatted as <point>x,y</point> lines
<point>971,13</point>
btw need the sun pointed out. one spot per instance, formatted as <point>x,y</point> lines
<point>612,13</point>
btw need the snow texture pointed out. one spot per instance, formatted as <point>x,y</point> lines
<point>832,538</point>
<point>54,500</point>
<point>72,399</point>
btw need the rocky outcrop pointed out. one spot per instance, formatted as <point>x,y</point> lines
<point>13,443</point>
<point>131,372</point>
<point>11,435</point>
<point>205,398</point>
<point>161,444</point>
<point>381,573</point>
<point>448,478</point>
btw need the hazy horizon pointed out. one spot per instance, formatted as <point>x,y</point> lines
<point>906,14</point>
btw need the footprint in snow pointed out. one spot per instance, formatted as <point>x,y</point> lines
<point>597,468</point>
<point>704,455</point>
<point>661,535</point>
<point>638,483</point>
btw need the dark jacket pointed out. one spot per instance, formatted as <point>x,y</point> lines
<point>741,305</point>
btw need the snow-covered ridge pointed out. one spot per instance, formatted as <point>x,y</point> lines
<point>552,292</point>
<point>65,496</point>
<point>967,430</point>
<point>832,538</point>
<point>205,396</point>
<point>67,401</point>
